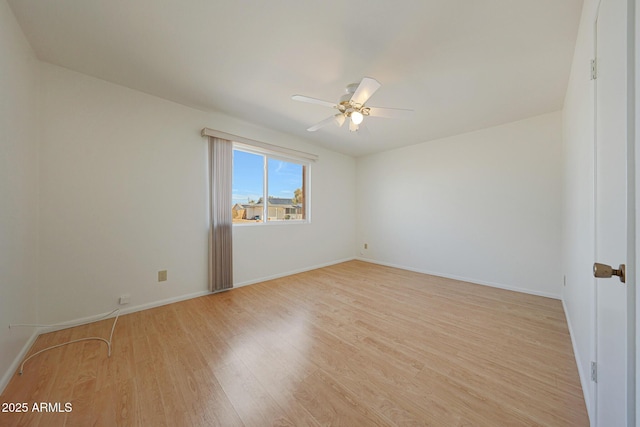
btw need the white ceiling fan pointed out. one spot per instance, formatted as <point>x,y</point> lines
<point>352,106</point>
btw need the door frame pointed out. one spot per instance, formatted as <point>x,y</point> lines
<point>634,128</point>
<point>633,216</point>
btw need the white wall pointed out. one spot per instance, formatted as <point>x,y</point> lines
<point>578,213</point>
<point>123,179</point>
<point>278,249</point>
<point>18,189</point>
<point>482,206</point>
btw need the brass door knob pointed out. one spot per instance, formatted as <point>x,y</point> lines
<point>604,270</point>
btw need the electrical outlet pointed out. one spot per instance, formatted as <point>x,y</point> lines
<point>366,246</point>
<point>162,276</point>
<point>124,299</point>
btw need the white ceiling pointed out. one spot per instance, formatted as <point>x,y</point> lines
<point>462,65</point>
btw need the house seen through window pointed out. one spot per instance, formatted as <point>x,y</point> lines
<point>267,188</point>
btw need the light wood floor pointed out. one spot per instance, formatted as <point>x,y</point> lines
<point>354,344</point>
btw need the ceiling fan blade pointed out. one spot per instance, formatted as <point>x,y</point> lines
<point>323,123</point>
<point>367,87</point>
<point>310,100</point>
<point>390,113</point>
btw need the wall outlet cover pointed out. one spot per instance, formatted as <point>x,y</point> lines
<point>162,276</point>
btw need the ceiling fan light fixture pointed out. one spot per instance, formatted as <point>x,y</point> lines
<point>357,117</point>
<point>339,119</point>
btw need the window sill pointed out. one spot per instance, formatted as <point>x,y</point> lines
<point>270,223</point>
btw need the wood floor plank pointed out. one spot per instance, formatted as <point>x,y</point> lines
<point>333,404</point>
<point>254,405</point>
<point>213,407</point>
<point>280,377</point>
<point>353,344</point>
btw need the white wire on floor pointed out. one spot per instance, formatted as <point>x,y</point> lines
<point>108,342</point>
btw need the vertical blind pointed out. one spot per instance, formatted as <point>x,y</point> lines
<point>221,224</point>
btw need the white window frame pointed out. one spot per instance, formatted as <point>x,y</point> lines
<point>270,154</point>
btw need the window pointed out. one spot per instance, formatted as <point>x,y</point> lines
<point>268,188</point>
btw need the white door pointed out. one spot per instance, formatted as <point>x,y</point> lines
<point>615,354</point>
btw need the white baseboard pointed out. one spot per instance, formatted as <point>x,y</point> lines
<point>463,279</point>
<point>163,302</point>
<point>123,311</point>
<point>13,368</point>
<point>585,380</point>
<point>88,319</point>
<point>83,321</point>
<point>289,273</point>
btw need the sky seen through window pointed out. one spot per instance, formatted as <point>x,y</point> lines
<point>248,171</point>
